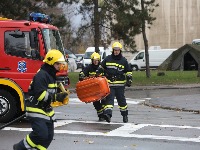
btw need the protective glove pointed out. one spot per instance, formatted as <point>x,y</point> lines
<point>81,76</point>
<point>99,72</point>
<point>61,96</point>
<point>128,83</point>
<point>128,80</point>
<point>97,75</point>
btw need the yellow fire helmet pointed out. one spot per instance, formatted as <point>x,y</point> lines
<point>54,56</point>
<point>95,55</point>
<point>117,45</point>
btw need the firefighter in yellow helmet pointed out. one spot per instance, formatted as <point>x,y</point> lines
<point>43,91</point>
<point>119,75</point>
<point>89,71</point>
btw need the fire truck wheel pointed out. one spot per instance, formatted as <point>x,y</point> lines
<point>8,106</point>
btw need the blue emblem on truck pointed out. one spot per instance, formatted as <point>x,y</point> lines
<point>22,66</point>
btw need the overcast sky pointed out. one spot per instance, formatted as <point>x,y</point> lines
<point>70,12</point>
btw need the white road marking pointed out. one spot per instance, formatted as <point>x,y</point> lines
<point>126,130</point>
<point>128,100</point>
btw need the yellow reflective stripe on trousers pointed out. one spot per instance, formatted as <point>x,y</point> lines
<point>123,108</point>
<point>101,110</point>
<point>42,96</point>
<point>108,106</point>
<point>37,110</point>
<point>40,147</point>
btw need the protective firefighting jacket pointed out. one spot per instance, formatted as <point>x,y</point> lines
<point>42,91</point>
<point>116,69</point>
<point>90,70</point>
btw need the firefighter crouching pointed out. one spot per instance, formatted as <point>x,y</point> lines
<point>90,71</point>
<point>43,91</point>
<point>119,74</point>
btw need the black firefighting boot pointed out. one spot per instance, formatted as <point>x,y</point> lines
<point>125,116</point>
<point>107,117</point>
<point>101,117</point>
<point>125,119</point>
<point>17,147</point>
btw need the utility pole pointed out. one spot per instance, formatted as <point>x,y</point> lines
<point>96,26</point>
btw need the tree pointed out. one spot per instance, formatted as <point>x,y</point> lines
<point>15,9</point>
<point>20,9</point>
<point>132,20</point>
<point>147,8</point>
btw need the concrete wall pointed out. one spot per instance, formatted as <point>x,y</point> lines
<point>177,24</point>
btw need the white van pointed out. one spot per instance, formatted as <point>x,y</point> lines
<point>103,53</point>
<point>196,41</point>
<point>156,57</point>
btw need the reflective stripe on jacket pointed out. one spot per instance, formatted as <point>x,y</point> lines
<point>116,70</point>
<point>43,88</point>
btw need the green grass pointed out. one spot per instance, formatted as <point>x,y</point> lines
<point>139,78</point>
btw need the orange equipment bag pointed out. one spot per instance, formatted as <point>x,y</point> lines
<point>92,89</point>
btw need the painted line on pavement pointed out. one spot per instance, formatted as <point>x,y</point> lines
<point>126,130</point>
<point>128,100</point>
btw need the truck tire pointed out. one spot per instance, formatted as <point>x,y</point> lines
<point>8,106</point>
<point>134,68</point>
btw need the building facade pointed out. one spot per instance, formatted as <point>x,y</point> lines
<point>177,23</point>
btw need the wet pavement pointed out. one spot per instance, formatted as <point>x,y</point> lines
<point>187,102</point>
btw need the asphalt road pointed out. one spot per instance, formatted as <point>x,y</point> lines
<point>149,128</point>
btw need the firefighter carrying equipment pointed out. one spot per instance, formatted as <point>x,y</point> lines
<point>115,70</point>
<point>92,89</point>
<point>90,70</point>
<point>42,89</point>
<point>117,46</point>
<point>54,56</point>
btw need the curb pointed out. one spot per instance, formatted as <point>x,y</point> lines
<point>154,87</point>
<point>150,104</point>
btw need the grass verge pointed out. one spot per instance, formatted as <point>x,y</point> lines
<point>139,78</point>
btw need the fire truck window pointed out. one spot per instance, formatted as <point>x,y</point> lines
<point>52,40</point>
<point>17,45</point>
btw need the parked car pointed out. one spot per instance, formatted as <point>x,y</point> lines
<point>72,65</point>
<point>79,60</point>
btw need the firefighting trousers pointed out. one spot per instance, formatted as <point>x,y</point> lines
<point>99,106</point>
<point>118,92</point>
<point>41,136</point>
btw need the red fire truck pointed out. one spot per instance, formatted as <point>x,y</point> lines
<point>23,45</point>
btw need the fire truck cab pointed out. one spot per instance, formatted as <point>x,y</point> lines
<point>23,45</point>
